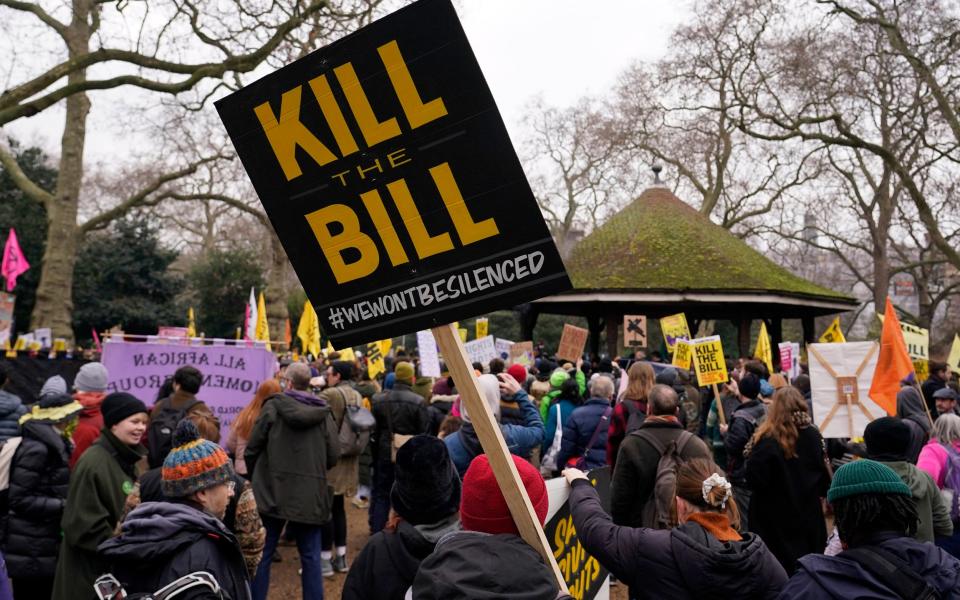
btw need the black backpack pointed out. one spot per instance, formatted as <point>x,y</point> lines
<point>162,426</point>
<point>635,416</point>
<point>893,572</point>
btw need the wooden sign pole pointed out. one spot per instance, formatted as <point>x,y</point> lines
<point>716,394</point>
<point>491,439</point>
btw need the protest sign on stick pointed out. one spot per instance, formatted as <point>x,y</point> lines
<point>840,377</point>
<point>682,354</point>
<point>674,327</point>
<point>711,367</point>
<point>429,358</point>
<point>635,331</point>
<point>572,342</point>
<point>386,169</point>
<point>521,353</point>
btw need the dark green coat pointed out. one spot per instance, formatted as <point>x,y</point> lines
<point>99,484</point>
<point>291,447</point>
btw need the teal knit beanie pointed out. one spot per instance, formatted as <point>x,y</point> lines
<point>865,477</point>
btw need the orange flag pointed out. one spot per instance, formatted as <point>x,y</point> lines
<point>287,334</point>
<point>893,364</point>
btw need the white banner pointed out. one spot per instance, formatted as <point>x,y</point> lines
<point>482,351</point>
<point>429,358</point>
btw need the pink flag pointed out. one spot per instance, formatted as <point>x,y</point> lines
<point>14,262</point>
<point>96,340</point>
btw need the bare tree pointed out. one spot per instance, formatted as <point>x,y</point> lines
<point>579,166</point>
<point>184,49</point>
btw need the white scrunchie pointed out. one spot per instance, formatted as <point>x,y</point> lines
<point>716,481</point>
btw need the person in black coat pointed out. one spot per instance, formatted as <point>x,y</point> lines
<point>786,470</point>
<point>589,423</point>
<point>426,500</point>
<point>39,479</point>
<point>743,423</point>
<point>398,411</point>
<point>702,557</point>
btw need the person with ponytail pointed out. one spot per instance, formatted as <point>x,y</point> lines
<point>703,556</point>
<point>786,470</point>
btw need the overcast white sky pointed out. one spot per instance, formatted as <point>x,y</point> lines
<point>561,49</point>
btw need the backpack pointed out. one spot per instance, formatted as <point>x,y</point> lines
<point>656,513</point>
<point>893,572</point>
<point>951,483</point>
<point>108,588</point>
<point>635,416</point>
<point>355,428</point>
<point>162,426</point>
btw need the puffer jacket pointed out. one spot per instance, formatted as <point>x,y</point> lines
<point>403,410</point>
<point>160,542</point>
<point>743,424</point>
<point>685,562</point>
<point>11,409</point>
<point>840,578</point>
<point>39,480</point>
<point>579,430</point>
<point>291,448</point>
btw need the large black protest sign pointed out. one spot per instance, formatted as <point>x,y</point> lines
<point>386,169</point>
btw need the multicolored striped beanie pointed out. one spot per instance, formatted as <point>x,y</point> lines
<point>194,464</point>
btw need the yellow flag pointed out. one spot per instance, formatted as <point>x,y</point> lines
<point>309,330</point>
<point>954,359</point>
<point>833,334</point>
<point>762,351</point>
<point>375,351</point>
<point>263,330</point>
<point>483,326</point>
<point>191,324</point>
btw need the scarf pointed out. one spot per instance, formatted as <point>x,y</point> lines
<point>717,525</point>
<point>661,419</point>
<point>90,400</point>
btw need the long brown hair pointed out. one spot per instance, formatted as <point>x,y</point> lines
<point>780,423</point>
<point>690,477</point>
<point>243,424</point>
<point>640,380</point>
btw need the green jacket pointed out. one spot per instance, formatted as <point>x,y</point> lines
<point>933,511</point>
<point>99,484</point>
<point>291,447</point>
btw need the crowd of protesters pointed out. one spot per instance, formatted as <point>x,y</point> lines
<point>730,496</point>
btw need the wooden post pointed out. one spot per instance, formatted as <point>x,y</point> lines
<point>491,439</point>
<point>716,394</point>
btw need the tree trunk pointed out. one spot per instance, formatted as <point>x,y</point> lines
<point>881,237</point>
<point>54,305</point>
<point>276,293</point>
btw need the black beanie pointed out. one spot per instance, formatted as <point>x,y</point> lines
<point>427,486</point>
<point>887,438</point>
<point>118,406</point>
<point>750,386</point>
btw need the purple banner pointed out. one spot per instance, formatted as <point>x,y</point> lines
<point>231,374</point>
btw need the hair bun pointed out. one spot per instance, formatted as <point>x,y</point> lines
<point>717,490</point>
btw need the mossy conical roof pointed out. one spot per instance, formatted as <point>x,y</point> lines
<point>660,243</point>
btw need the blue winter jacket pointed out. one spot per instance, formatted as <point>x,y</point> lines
<point>11,409</point>
<point>837,577</point>
<point>566,409</point>
<point>520,439</point>
<point>578,430</point>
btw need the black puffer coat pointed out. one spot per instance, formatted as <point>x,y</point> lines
<point>39,479</point>
<point>686,562</point>
<point>160,542</point>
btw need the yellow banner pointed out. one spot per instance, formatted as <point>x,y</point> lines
<point>833,334</point>
<point>708,361</point>
<point>682,354</point>
<point>674,327</point>
<point>954,359</point>
<point>483,326</point>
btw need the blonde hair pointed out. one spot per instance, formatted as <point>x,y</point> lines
<point>780,423</point>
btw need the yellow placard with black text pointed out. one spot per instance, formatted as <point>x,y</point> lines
<point>708,361</point>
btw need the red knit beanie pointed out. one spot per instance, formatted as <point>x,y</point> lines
<point>518,372</point>
<point>482,505</point>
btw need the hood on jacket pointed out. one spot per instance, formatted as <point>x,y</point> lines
<point>10,405</point>
<point>155,530</point>
<point>557,378</point>
<point>469,565</point>
<point>910,405</point>
<point>297,414</point>
<point>715,569</point>
<point>840,578</point>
